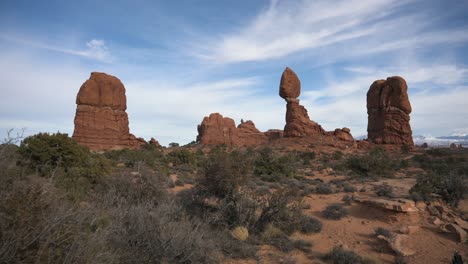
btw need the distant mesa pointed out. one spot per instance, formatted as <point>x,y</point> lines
<point>388,109</point>
<point>101,122</point>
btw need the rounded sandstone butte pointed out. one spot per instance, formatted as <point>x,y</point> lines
<point>102,90</point>
<point>388,109</point>
<point>249,135</point>
<point>392,92</point>
<point>217,130</point>
<point>101,122</point>
<point>290,85</point>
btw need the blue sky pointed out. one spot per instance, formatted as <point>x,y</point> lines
<point>182,60</point>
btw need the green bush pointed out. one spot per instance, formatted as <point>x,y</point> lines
<point>310,225</point>
<point>380,231</point>
<point>46,152</point>
<point>450,187</point>
<point>223,174</point>
<point>339,255</point>
<point>384,189</point>
<point>375,164</point>
<point>324,188</point>
<point>335,212</point>
<point>273,167</point>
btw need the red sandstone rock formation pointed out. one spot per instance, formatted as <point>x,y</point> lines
<point>101,122</point>
<point>274,134</point>
<point>388,109</point>
<point>249,135</point>
<point>218,130</point>
<point>343,134</point>
<point>298,123</point>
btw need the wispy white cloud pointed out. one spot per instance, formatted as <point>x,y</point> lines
<point>364,27</point>
<point>96,49</point>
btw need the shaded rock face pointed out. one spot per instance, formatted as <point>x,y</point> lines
<point>217,130</point>
<point>388,109</point>
<point>249,135</point>
<point>298,123</point>
<point>101,122</point>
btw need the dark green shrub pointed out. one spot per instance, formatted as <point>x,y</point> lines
<point>349,188</point>
<point>380,231</point>
<point>182,156</point>
<point>347,199</point>
<point>310,225</point>
<point>451,188</point>
<point>281,209</point>
<point>375,164</point>
<point>173,145</point>
<point>46,152</point>
<point>178,182</point>
<point>339,255</point>
<point>324,188</point>
<point>384,190</point>
<point>335,212</point>
<point>273,167</point>
<point>307,157</point>
<point>337,155</point>
<point>223,174</point>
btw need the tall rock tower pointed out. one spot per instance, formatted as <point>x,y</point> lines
<point>388,109</point>
<point>101,122</point>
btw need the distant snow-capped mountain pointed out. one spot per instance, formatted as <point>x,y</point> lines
<point>441,141</point>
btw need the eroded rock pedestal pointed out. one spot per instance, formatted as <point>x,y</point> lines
<point>101,122</point>
<point>388,109</point>
<point>298,123</point>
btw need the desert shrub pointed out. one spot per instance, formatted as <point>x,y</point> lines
<point>339,255</point>
<point>335,212</point>
<point>457,258</point>
<point>400,259</point>
<point>347,199</point>
<point>324,188</point>
<point>46,152</point>
<point>170,184</point>
<point>451,188</point>
<point>273,167</point>
<point>181,156</point>
<point>307,157</point>
<point>223,174</point>
<point>380,231</point>
<point>146,234</point>
<point>349,188</point>
<point>310,225</point>
<point>384,189</point>
<point>337,155</point>
<point>372,165</point>
<point>178,182</point>
<point>263,190</point>
<point>38,223</point>
<point>135,158</point>
<point>281,209</point>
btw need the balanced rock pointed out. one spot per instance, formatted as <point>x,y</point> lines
<point>298,123</point>
<point>290,85</point>
<point>101,122</point>
<point>218,130</point>
<point>388,109</point>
